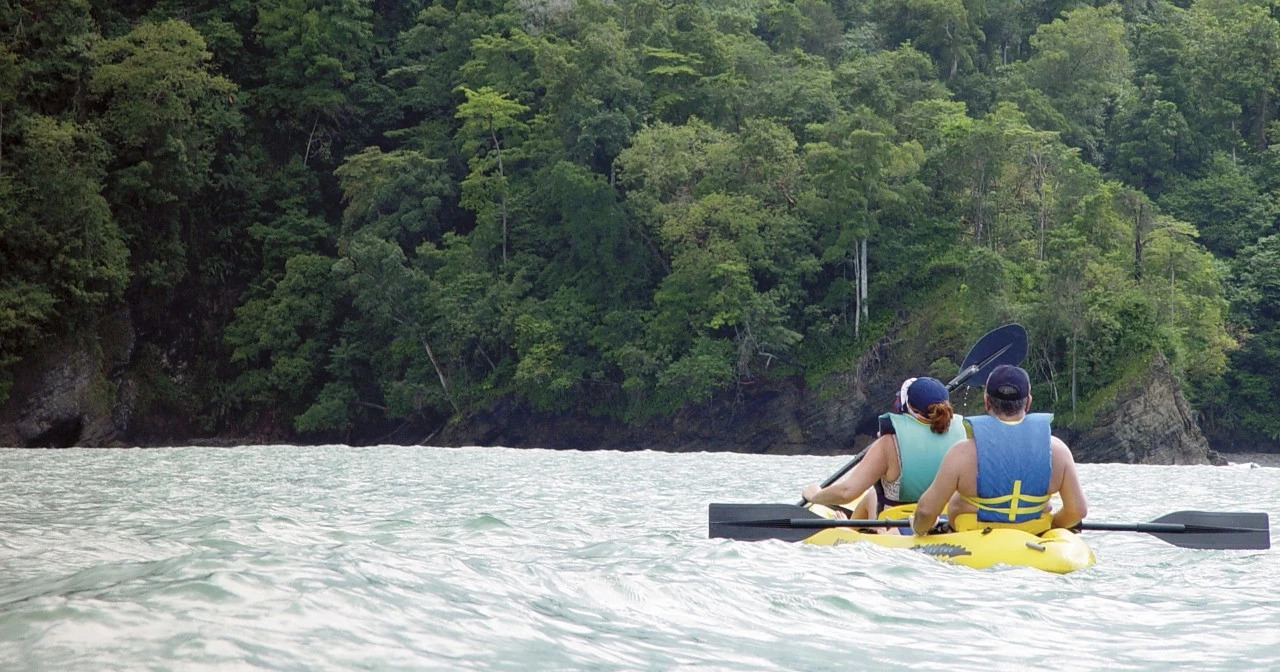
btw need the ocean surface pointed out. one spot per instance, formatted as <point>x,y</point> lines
<point>401,558</point>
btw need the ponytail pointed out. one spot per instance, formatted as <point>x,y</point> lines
<point>940,417</point>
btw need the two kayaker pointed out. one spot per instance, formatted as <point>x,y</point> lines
<point>1009,468</point>
<point>903,461</point>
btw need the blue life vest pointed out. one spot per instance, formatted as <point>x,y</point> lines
<point>1014,465</point>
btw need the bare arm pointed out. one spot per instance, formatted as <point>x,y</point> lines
<point>935,499</point>
<point>1074,505</point>
<point>856,480</point>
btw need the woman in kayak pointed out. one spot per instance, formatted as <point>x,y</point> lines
<point>899,465</point>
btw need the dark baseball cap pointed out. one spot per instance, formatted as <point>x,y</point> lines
<point>925,391</point>
<point>1009,383</point>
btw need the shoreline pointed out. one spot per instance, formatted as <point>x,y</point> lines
<point>1260,459</point>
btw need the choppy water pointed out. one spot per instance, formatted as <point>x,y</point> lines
<point>496,559</point>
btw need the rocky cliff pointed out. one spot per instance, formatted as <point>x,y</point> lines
<point>72,393</point>
<point>1148,422</point>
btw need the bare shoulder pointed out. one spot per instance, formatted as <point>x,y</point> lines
<point>962,450</point>
<point>1061,454</point>
<point>883,441</point>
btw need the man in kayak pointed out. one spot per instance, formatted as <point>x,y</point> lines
<point>902,462</point>
<point>1004,473</point>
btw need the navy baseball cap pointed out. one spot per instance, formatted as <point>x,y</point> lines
<point>1009,383</point>
<point>925,391</point>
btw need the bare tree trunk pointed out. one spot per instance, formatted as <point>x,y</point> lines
<point>1075,339</point>
<point>502,199</point>
<point>979,203</point>
<point>1049,372</point>
<point>955,53</point>
<point>1233,143</point>
<point>1138,241</point>
<point>1263,102</point>
<point>444,382</point>
<point>857,293</point>
<point>862,280</point>
<point>1042,218</point>
<point>314,125</point>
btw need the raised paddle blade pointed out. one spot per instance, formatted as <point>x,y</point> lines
<point>1201,529</point>
<point>1002,345</point>
<point>746,522</point>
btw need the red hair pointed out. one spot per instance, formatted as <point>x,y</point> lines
<point>939,417</point>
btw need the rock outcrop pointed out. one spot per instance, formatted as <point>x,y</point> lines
<point>67,395</point>
<point>1148,422</point>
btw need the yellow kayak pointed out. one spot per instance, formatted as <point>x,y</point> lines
<point>1058,550</point>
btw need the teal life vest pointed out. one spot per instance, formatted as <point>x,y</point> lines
<point>1014,466</point>
<point>920,452</point>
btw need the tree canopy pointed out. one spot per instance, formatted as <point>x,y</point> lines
<point>347,218</point>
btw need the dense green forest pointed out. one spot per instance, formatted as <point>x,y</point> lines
<point>338,215</point>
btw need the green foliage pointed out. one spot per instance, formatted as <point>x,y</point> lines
<point>63,260</point>
<point>944,29</point>
<point>315,50</point>
<point>343,218</point>
<point>401,195</point>
<point>1152,142</point>
<point>1081,69</point>
<point>52,42</point>
<point>291,331</point>
<point>163,110</point>
<point>1225,205</point>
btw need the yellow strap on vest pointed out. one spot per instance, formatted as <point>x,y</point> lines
<point>968,522</point>
<point>1015,502</point>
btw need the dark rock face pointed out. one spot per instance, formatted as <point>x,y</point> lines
<point>1149,422</point>
<point>777,420</point>
<point>1228,440</point>
<point>779,417</point>
<point>56,409</point>
<point>64,397</point>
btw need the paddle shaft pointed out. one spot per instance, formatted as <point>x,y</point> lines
<point>1163,528</point>
<point>1225,530</point>
<point>824,523</point>
<point>964,375</point>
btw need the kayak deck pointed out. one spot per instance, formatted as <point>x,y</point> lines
<point>1058,550</point>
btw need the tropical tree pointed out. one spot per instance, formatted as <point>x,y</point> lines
<point>163,111</point>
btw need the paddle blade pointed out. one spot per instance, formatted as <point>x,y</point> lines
<point>1201,529</point>
<point>745,522</point>
<point>1002,345</point>
<point>1220,530</point>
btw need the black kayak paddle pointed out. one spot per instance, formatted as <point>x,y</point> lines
<point>1186,529</point>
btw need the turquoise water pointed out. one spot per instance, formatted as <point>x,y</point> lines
<point>393,558</point>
